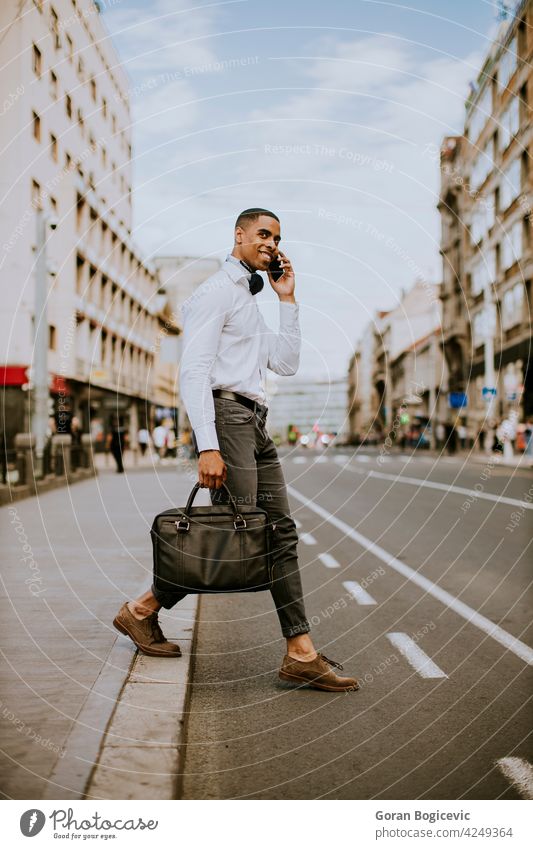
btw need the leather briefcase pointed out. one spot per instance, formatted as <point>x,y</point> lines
<point>213,549</point>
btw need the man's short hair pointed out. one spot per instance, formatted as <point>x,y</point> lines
<point>248,215</point>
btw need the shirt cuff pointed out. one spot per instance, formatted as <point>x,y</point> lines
<point>206,438</point>
<point>287,311</point>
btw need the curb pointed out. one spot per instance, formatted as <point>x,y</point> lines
<point>142,752</point>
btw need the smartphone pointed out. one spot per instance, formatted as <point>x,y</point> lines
<point>275,269</point>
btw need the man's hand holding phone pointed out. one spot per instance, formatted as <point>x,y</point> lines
<point>212,469</point>
<point>281,277</point>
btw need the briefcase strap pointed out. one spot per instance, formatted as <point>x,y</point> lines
<point>238,520</point>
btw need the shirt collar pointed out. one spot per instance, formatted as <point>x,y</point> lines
<point>236,271</point>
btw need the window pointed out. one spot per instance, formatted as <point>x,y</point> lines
<point>114,123</point>
<point>482,166</point>
<point>70,47</point>
<point>53,204</point>
<point>81,68</point>
<point>79,211</point>
<point>512,306</point>
<point>104,107</point>
<point>37,61</point>
<point>482,218</point>
<point>478,328</point>
<point>511,249</point>
<point>54,26</point>
<point>36,195</point>
<point>81,122</point>
<point>68,105</point>
<point>510,184</point>
<point>507,63</point>
<point>509,124</point>
<point>480,114</point>
<point>92,85</point>
<point>36,126</point>
<point>104,156</point>
<point>79,275</point>
<point>53,147</point>
<point>52,337</point>
<point>483,272</point>
<point>68,161</point>
<point>53,85</point>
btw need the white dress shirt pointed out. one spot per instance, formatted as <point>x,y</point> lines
<point>227,345</point>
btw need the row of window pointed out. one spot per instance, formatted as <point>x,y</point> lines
<point>81,17</point>
<point>54,150</point>
<point>37,64</point>
<point>498,259</point>
<point>494,86</point>
<point>107,243</point>
<point>483,215</point>
<point>498,142</point>
<point>511,314</point>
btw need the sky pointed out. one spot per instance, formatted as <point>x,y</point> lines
<point>330,114</point>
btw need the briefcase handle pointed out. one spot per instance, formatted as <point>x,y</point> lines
<point>238,520</point>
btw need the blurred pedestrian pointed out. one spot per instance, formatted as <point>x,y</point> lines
<point>75,448</point>
<point>143,438</point>
<point>159,438</point>
<point>117,443</point>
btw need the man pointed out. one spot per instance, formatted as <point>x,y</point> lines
<point>227,348</point>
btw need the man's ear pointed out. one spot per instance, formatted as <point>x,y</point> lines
<point>238,235</point>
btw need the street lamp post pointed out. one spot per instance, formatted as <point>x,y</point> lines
<point>40,346</point>
<point>488,348</point>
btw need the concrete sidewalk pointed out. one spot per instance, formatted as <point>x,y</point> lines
<point>70,559</point>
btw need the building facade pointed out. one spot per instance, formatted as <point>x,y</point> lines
<point>66,137</point>
<point>486,213</point>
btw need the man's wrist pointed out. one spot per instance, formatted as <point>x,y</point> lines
<point>287,299</point>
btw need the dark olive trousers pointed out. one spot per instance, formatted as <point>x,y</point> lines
<point>255,477</point>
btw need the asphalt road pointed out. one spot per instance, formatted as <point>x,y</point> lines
<point>408,565</point>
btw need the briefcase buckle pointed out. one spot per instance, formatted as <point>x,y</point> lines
<point>239,523</point>
<point>183,524</point>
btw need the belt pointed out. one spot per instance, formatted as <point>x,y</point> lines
<point>242,399</point>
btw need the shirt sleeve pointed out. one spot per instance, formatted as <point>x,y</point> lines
<point>203,319</point>
<point>284,346</point>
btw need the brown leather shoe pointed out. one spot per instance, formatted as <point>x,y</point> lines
<point>316,673</point>
<point>145,633</point>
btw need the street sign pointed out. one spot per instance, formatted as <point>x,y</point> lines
<point>457,399</point>
<point>488,392</point>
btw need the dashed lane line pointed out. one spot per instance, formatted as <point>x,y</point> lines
<point>472,616</point>
<point>358,593</point>
<point>520,774</point>
<point>329,561</point>
<point>308,539</point>
<point>414,656</point>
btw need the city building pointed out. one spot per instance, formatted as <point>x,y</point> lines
<point>66,141</point>
<point>397,368</point>
<point>485,205</point>
<point>307,404</point>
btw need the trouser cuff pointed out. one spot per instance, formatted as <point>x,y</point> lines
<point>294,630</point>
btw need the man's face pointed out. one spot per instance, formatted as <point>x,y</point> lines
<point>258,242</point>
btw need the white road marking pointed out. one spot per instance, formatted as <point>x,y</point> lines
<point>340,459</point>
<point>321,459</point>
<point>520,773</point>
<point>505,639</point>
<point>297,523</point>
<point>329,561</point>
<point>299,459</point>
<point>414,655</point>
<point>308,539</point>
<point>363,458</point>
<point>461,490</point>
<point>358,593</point>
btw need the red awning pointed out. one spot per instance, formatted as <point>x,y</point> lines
<point>13,375</point>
